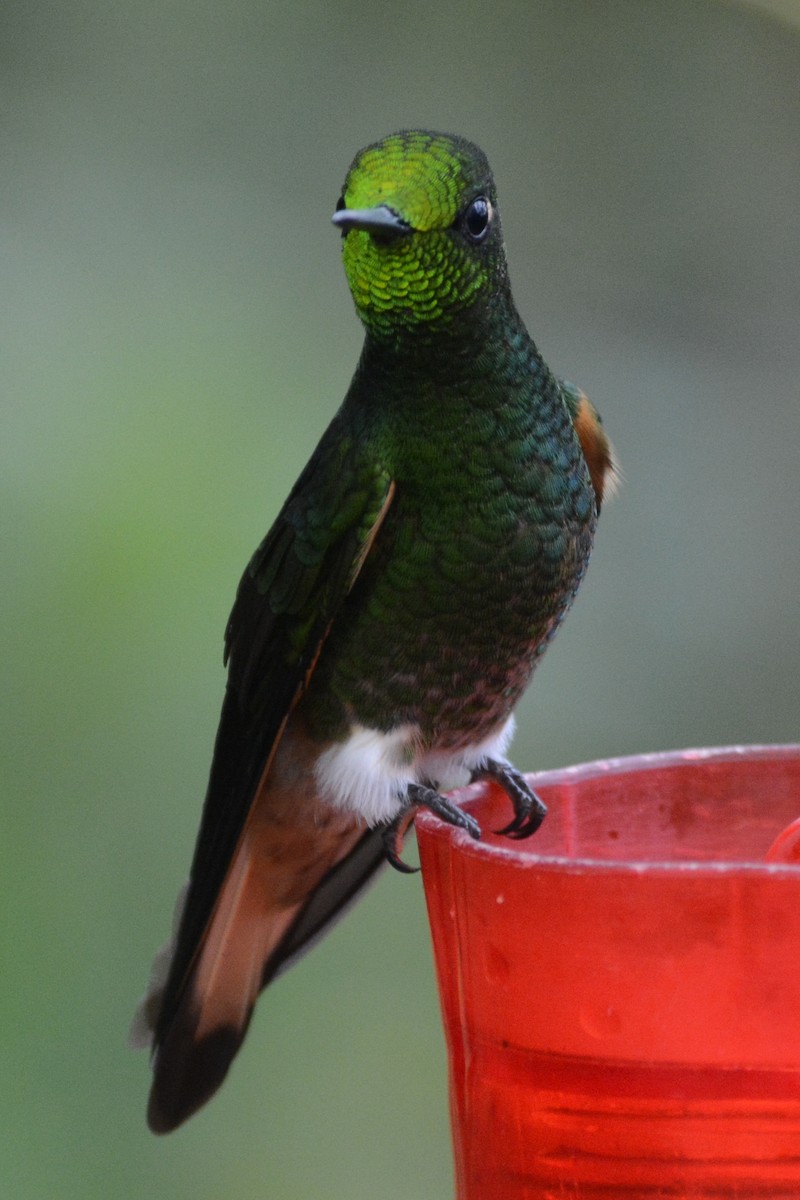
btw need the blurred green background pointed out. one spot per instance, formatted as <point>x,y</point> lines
<point>177,332</point>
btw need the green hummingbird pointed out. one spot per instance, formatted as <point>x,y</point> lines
<point>392,617</point>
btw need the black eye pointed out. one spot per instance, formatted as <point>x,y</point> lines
<point>477,219</point>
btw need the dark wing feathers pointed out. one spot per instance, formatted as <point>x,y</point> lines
<point>284,607</point>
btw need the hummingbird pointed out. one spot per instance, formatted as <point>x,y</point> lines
<point>390,620</point>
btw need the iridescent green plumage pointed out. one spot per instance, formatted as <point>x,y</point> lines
<point>425,280</point>
<point>494,511</point>
<point>393,615</point>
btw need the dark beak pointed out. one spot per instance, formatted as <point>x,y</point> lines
<point>379,220</point>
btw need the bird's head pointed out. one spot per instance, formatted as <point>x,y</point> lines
<point>422,239</point>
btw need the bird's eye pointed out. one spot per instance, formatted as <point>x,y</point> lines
<point>477,219</point>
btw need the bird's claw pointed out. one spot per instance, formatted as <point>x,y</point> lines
<point>393,836</point>
<point>529,811</point>
<point>419,796</point>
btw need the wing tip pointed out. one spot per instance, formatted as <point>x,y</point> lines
<point>142,1033</point>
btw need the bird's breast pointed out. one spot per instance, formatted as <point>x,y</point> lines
<point>458,598</point>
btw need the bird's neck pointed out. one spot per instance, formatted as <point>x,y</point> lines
<point>485,342</point>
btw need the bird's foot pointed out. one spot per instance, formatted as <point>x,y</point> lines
<point>529,811</point>
<point>418,796</point>
<point>393,836</point>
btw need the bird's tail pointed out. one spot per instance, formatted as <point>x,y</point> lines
<point>218,996</point>
<point>258,927</point>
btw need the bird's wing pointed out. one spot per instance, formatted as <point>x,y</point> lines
<point>597,449</point>
<point>284,607</point>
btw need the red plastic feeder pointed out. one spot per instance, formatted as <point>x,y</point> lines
<point>621,993</point>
